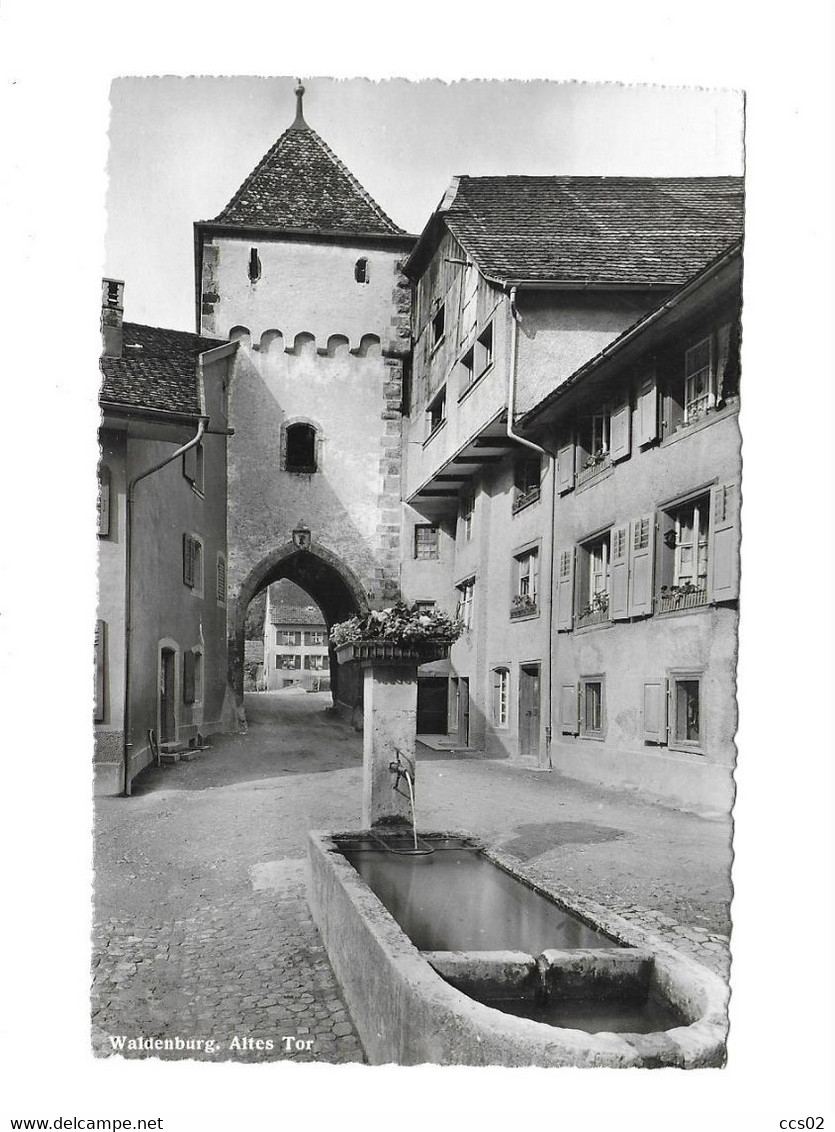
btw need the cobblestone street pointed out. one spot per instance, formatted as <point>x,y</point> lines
<point>202,930</point>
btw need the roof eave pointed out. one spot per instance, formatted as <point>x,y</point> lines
<point>402,240</point>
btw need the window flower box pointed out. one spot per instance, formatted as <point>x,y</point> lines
<point>523,605</point>
<point>523,498</point>
<point>687,596</point>
<point>594,466</point>
<point>595,613</point>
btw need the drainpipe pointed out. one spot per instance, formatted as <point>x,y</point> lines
<point>201,428</point>
<point>512,435</point>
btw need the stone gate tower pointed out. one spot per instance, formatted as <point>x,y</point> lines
<point>303,268</point>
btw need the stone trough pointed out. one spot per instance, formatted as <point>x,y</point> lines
<point>569,1004</point>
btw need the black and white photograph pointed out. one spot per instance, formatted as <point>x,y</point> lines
<point>430,534</point>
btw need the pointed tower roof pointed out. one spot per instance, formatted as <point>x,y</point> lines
<point>300,184</point>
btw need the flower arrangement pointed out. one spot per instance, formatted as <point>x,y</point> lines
<point>596,457</point>
<point>522,604</point>
<point>402,624</point>
<point>599,603</point>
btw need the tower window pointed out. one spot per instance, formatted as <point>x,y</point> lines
<point>301,448</point>
<point>254,270</point>
<point>361,270</point>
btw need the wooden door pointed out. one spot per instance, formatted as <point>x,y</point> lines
<point>432,705</point>
<point>463,686</point>
<point>529,710</point>
<point>167,692</point>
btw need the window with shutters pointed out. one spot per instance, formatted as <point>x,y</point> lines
<point>684,555</point>
<point>220,580</point>
<point>193,563</point>
<point>466,594</point>
<point>314,637</point>
<point>592,581</point>
<point>525,600</point>
<point>426,540</point>
<point>288,638</point>
<point>314,663</point>
<point>104,501</point>
<point>288,661</point>
<point>592,707</point>
<point>501,696</point>
<point>527,474</point>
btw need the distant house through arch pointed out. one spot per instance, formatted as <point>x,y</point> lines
<point>331,584</point>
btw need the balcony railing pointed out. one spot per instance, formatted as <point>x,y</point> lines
<point>523,498</point>
<point>674,598</point>
<point>592,617</point>
<point>593,467</point>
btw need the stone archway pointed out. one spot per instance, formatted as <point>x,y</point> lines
<point>331,584</point>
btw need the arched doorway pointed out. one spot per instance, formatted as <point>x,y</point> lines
<point>331,584</point>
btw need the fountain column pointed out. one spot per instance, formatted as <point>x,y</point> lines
<point>389,730</point>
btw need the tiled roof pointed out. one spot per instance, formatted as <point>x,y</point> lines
<point>157,369</point>
<point>296,615</point>
<point>656,230</point>
<point>301,184</point>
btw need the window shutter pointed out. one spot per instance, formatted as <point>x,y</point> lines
<point>188,560</point>
<point>723,542</point>
<point>641,560</point>
<point>619,573</point>
<point>620,431</point>
<point>565,590</point>
<point>104,500</point>
<point>655,711</point>
<point>188,678</point>
<point>648,412</point>
<point>568,709</point>
<point>565,468</point>
<point>190,464</point>
<point>221,579</point>
<point>98,652</point>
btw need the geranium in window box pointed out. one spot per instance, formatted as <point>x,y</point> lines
<point>403,634</point>
<point>523,605</point>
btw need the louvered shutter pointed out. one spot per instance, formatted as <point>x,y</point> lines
<point>620,431</point>
<point>648,412</point>
<point>655,711</point>
<point>565,589</point>
<point>619,573</point>
<point>104,500</point>
<point>723,542</point>
<point>98,652</point>
<point>641,559</point>
<point>221,579</point>
<point>565,468</point>
<point>188,678</point>
<point>568,709</point>
<point>188,560</point>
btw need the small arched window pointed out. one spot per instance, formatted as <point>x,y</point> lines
<point>301,448</point>
<point>361,270</point>
<point>254,270</point>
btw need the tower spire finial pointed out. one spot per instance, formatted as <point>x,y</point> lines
<point>299,122</point>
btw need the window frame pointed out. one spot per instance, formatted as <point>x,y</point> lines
<point>436,543</point>
<point>221,579</point>
<point>528,491</point>
<point>524,604</point>
<point>584,732</point>
<point>590,607</point>
<point>467,514</point>
<point>484,350</point>
<point>709,396</point>
<point>298,469</point>
<point>194,572</point>
<point>676,676</point>
<point>671,596</point>
<point>466,601</point>
<point>436,413</point>
<point>500,699</point>
<point>437,333</point>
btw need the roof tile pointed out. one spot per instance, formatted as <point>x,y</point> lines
<point>157,370</point>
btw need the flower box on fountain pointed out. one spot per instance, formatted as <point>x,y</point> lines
<point>401,635</point>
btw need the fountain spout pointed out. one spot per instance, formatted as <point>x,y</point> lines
<point>404,768</point>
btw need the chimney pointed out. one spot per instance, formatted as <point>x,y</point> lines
<point>112,313</point>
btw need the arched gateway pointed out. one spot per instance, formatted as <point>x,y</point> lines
<point>315,401</point>
<point>331,584</point>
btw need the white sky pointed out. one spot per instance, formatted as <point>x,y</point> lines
<point>180,148</point>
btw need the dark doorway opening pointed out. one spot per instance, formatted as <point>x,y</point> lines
<point>167,694</point>
<point>529,710</point>
<point>432,705</point>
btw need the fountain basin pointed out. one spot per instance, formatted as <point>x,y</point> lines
<point>516,1004</point>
